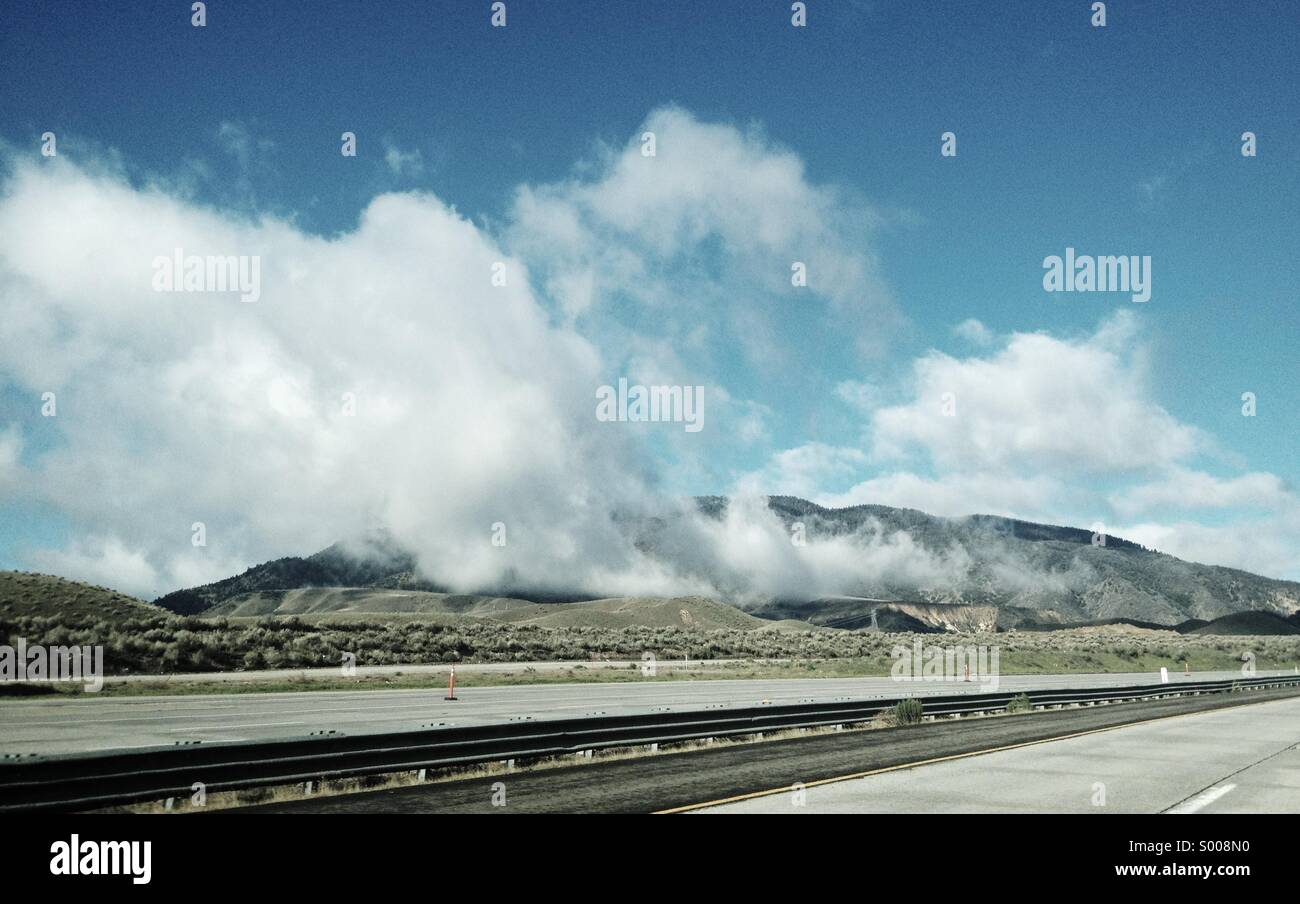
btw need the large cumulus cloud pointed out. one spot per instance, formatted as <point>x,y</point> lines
<point>472,403</point>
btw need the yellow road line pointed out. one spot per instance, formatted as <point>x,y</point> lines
<point>939,759</point>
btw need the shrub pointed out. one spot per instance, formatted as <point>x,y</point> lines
<point>1020,704</point>
<point>907,712</point>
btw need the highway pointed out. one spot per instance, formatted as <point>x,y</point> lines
<point>88,723</point>
<point>1242,760</point>
<point>1199,746</point>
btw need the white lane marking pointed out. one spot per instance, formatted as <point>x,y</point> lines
<point>1202,800</point>
<point>192,728</point>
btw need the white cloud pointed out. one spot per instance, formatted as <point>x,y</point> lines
<point>748,554</point>
<point>1182,488</point>
<point>1041,424</point>
<point>974,332</point>
<point>475,403</point>
<point>630,229</point>
<point>1031,497</point>
<point>803,471</point>
<point>11,446</point>
<point>402,163</point>
<point>865,397</point>
<point>104,562</point>
<point>1071,406</point>
<point>1269,546</point>
<point>236,140</point>
<point>1257,525</point>
<point>178,408</point>
<point>251,152</point>
<point>472,404</point>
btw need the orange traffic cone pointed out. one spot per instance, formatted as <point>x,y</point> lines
<point>451,684</point>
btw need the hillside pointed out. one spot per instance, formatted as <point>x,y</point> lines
<point>369,600</point>
<point>335,603</point>
<point>1253,623</point>
<point>1010,563</point>
<point>690,613</point>
<point>885,615</point>
<point>373,561</point>
<point>24,594</point>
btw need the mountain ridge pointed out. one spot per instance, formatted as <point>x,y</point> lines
<point>985,560</point>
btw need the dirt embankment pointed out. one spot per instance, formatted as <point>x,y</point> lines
<point>951,617</point>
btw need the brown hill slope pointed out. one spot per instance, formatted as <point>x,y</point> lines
<point>46,596</point>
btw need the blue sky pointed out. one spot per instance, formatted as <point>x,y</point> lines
<point>1116,140</point>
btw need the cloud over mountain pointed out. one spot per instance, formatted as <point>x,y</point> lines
<point>383,377</point>
<point>436,376</point>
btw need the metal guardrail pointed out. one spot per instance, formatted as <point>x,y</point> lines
<point>71,782</point>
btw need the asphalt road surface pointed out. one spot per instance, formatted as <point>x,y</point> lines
<point>1242,760</point>
<point>1210,741</point>
<point>88,723</point>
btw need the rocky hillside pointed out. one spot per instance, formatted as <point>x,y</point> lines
<point>1056,572</point>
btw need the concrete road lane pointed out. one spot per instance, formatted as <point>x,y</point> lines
<point>1240,760</point>
<point>89,723</point>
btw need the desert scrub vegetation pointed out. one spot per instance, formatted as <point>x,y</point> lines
<point>1020,704</point>
<point>904,712</point>
<point>164,643</point>
<point>161,644</point>
<point>908,712</point>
